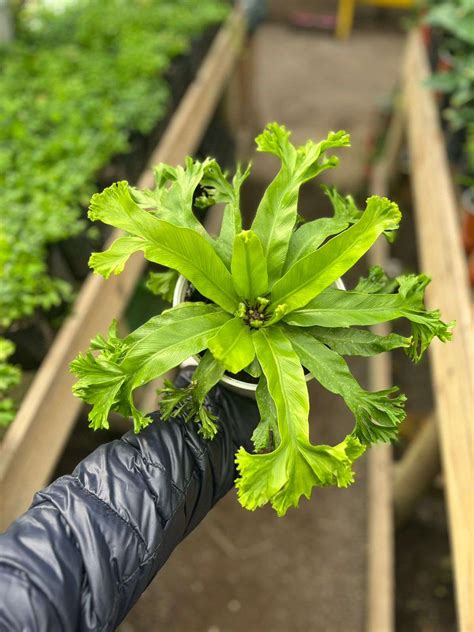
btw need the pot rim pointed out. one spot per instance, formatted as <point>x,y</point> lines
<point>179,297</point>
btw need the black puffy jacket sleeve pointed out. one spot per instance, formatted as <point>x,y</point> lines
<point>91,542</point>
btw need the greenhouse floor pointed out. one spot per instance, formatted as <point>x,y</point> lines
<point>306,572</point>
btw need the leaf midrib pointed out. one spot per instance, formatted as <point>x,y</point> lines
<point>301,286</point>
<point>177,323</point>
<point>275,215</point>
<point>291,176</point>
<point>291,430</point>
<point>325,310</point>
<point>302,247</point>
<point>241,332</point>
<point>204,274</point>
<point>248,272</point>
<point>169,349</point>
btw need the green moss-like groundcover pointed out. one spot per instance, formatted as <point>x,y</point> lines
<point>73,86</point>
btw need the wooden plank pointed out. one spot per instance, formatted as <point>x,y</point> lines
<point>239,105</point>
<point>384,170</point>
<point>381,551</point>
<point>381,580</point>
<point>36,438</point>
<point>451,364</point>
<point>416,470</point>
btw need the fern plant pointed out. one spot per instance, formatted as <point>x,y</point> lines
<point>271,312</point>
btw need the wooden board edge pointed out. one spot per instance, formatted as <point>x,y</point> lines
<point>451,365</point>
<point>380,519</point>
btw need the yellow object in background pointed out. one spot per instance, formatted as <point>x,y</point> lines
<point>346,10</point>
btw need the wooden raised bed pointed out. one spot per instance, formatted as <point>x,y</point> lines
<point>380,520</point>
<point>442,258</point>
<point>35,439</point>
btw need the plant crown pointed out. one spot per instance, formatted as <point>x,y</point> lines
<point>272,312</point>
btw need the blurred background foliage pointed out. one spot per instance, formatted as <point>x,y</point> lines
<point>77,79</point>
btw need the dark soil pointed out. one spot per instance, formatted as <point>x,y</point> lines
<point>424,575</point>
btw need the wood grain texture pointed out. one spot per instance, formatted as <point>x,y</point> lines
<point>416,470</point>
<point>380,537</point>
<point>36,438</point>
<point>451,364</point>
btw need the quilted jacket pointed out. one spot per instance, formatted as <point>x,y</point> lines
<point>91,542</point>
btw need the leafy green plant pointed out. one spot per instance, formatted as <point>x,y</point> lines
<point>9,376</point>
<point>454,22</point>
<point>470,154</point>
<point>454,17</point>
<point>163,284</point>
<point>458,83</point>
<point>268,308</point>
<point>74,85</point>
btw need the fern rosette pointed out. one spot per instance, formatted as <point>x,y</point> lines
<point>271,312</point>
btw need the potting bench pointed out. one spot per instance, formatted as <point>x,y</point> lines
<point>35,439</point>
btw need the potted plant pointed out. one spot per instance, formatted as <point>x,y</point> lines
<point>262,302</point>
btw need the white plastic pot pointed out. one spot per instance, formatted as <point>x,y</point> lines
<point>243,388</point>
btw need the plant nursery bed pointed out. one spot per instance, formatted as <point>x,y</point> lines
<point>79,108</point>
<point>436,225</point>
<point>34,440</point>
<point>423,561</point>
<point>441,256</point>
